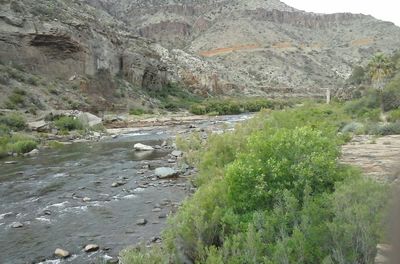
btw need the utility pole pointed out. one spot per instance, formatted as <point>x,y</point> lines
<point>328,95</point>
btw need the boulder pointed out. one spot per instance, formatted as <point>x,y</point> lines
<point>118,183</point>
<point>17,225</point>
<point>86,199</point>
<point>165,172</point>
<point>91,248</point>
<point>40,126</point>
<point>142,147</point>
<point>88,119</point>
<point>61,253</point>
<point>141,221</point>
<point>32,153</point>
<point>177,153</point>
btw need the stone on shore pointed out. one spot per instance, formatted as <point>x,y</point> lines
<point>39,126</point>
<point>142,147</point>
<point>32,153</point>
<point>89,119</point>
<point>177,153</point>
<point>165,172</point>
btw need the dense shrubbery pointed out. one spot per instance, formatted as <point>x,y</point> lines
<point>236,106</point>
<point>68,123</point>
<point>16,143</point>
<point>13,122</point>
<point>139,111</point>
<point>174,97</point>
<point>273,191</point>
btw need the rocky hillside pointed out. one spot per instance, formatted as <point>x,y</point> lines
<point>106,54</point>
<point>261,46</point>
<point>68,54</point>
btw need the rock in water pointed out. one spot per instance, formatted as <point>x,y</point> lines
<point>86,199</point>
<point>61,253</point>
<point>141,222</point>
<point>17,225</point>
<point>32,153</point>
<point>117,184</point>
<point>91,248</point>
<point>177,153</point>
<point>165,172</point>
<point>142,147</point>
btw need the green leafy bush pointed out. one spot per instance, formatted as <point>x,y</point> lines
<point>272,191</point>
<point>137,111</point>
<point>394,115</point>
<point>236,106</point>
<point>287,160</point>
<point>13,121</point>
<point>68,123</point>
<point>384,129</point>
<point>16,143</point>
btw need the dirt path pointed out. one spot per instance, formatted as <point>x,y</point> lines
<point>378,158</point>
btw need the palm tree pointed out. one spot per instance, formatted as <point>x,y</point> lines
<point>380,68</point>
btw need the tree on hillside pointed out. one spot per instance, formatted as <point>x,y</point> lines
<point>380,69</point>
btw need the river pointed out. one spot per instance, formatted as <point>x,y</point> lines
<point>64,197</point>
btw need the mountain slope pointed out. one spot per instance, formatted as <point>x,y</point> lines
<point>261,46</point>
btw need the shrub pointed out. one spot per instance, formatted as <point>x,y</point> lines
<point>391,94</point>
<point>13,121</point>
<point>288,160</point>
<point>272,191</point>
<point>23,146</point>
<point>68,123</point>
<point>236,106</point>
<point>353,127</point>
<point>16,143</point>
<point>383,129</point>
<point>137,111</point>
<point>394,115</point>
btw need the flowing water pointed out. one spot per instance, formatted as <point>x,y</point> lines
<point>64,198</point>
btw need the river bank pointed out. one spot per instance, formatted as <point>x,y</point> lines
<point>99,192</point>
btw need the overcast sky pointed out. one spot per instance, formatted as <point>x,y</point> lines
<point>388,10</point>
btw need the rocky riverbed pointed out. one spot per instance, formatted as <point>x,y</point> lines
<point>100,196</point>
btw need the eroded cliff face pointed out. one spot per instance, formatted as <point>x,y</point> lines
<point>255,47</point>
<point>65,41</point>
<point>262,46</point>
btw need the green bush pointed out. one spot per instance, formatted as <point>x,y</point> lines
<point>273,191</point>
<point>384,129</point>
<point>236,106</point>
<point>68,123</point>
<point>16,143</point>
<point>288,160</point>
<point>137,111</point>
<point>394,115</point>
<point>13,121</point>
<point>353,127</point>
<point>391,94</point>
<point>23,146</point>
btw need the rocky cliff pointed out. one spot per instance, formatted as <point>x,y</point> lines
<point>261,46</point>
<point>110,52</point>
<point>72,50</point>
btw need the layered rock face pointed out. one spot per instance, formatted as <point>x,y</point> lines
<point>261,46</point>
<point>70,40</point>
<point>255,47</point>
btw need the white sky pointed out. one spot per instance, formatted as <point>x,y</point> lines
<point>387,10</point>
